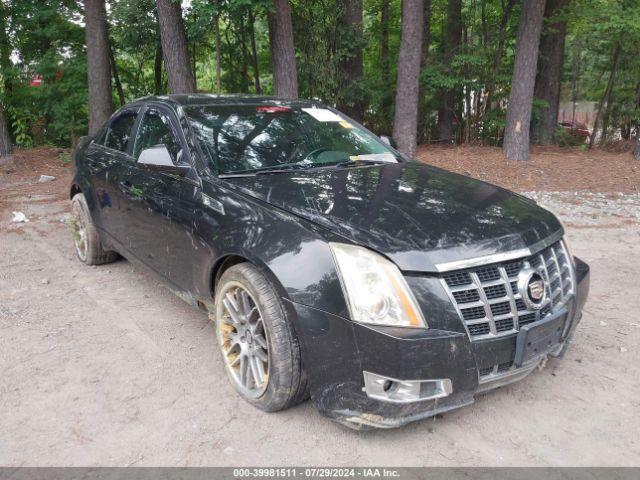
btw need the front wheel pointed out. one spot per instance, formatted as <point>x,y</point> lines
<point>259,348</point>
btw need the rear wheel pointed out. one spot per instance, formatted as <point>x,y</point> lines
<point>85,236</point>
<point>259,348</point>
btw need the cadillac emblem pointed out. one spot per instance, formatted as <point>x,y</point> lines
<point>531,286</point>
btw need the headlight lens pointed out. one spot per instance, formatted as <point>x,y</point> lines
<point>376,291</point>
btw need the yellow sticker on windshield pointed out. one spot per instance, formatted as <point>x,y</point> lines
<point>345,124</point>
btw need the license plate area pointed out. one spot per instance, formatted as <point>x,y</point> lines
<point>538,339</point>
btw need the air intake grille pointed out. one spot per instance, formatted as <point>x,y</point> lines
<point>487,297</point>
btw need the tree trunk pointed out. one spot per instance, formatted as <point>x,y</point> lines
<point>426,40</point>
<point>575,73</point>
<point>254,53</point>
<point>405,122</point>
<point>174,47</point>
<point>549,77</point>
<point>5,65</point>
<point>350,99</point>
<point>426,33</point>
<point>516,138</point>
<point>244,78</point>
<point>5,50</point>
<point>605,124</point>
<point>467,93</point>
<point>98,69</point>
<point>384,41</point>
<point>193,64</point>
<point>497,59</point>
<point>116,75</point>
<point>384,59</point>
<point>452,41</point>
<point>157,69</point>
<point>283,58</point>
<point>604,101</point>
<point>216,28</point>
<point>636,151</point>
<point>5,140</point>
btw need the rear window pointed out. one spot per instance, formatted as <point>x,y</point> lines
<point>100,136</point>
<point>120,131</point>
<point>249,138</point>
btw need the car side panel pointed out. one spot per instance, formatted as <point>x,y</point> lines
<point>162,226</point>
<point>292,251</point>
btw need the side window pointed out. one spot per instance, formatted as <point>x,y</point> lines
<point>120,131</point>
<point>100,136</point>
<point>155,129</point>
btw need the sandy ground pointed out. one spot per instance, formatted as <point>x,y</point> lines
<point>104,366</point>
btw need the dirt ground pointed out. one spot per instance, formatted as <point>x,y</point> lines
<point>548,168</point>
<point>104,366</point>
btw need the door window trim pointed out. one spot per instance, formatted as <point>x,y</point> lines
<point>175,131</point>
<point>134,129</point>
<point>179,135</point>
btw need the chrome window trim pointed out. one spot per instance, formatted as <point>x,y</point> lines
<point>499,257</point>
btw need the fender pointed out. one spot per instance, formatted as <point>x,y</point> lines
<point>293,252</point>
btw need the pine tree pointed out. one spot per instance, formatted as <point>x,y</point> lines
<point>283,58</point>
<point>549,76</point>
<point>405,123</point>
<point>98,69</point>
<point>516,138</point>
<point>174,47</point>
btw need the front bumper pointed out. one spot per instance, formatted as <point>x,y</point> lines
<point>337,351</point>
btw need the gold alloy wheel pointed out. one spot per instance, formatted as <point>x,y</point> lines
<point>243,340</point>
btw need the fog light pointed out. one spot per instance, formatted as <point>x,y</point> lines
<point>404,391</point>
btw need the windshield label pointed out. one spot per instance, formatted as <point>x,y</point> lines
<point>323,115</point>
<point>375,157</point>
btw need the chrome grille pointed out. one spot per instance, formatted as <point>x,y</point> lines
<point>487,298</point>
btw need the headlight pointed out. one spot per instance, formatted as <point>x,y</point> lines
<point>375,289</point>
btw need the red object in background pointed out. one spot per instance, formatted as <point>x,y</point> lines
<point>36,81</point>
<point>577,129</point>
<point>273,109</point>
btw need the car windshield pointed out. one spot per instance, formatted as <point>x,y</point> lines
<point>245,139</point>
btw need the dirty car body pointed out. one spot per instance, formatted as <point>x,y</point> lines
<point>483,276</point>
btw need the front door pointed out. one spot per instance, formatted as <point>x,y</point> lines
<point>160,231</point>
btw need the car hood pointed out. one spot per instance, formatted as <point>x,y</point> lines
<point>417,215</point>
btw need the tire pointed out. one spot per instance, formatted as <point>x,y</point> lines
<point>278,383</point>
<point>85,236</point>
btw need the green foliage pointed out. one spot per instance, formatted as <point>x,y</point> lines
<point>49,44</point>
<point>20,125</point>
<point>595,29</point>
<point>565,138</point>
<point>47,39</point>
<point>65,157</point>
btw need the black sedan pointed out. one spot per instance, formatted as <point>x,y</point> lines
<point>334,267</point>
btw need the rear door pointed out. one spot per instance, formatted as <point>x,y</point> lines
<point>111,160</point>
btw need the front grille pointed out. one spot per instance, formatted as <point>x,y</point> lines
<point>487,297</point>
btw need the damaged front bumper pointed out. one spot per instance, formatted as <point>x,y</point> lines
<point>436,370</point>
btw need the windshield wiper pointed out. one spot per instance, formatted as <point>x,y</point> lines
<point>298,166</point>
<point>358,163</point>
<point>261,171</point>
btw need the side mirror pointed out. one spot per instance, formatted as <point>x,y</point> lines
<point>159,159</point>
<point>389,141</point>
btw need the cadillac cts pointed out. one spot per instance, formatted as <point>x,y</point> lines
<point>385,289</point>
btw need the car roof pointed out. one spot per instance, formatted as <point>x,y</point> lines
<point>212,99</point>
